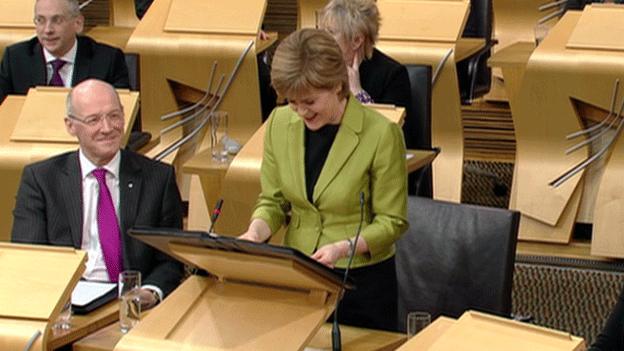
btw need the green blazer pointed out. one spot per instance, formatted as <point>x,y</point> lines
<point>368,155</point>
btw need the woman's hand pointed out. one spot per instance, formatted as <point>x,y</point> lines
<point>354,73</point>
<point>330,253</point>
<point>258,231</point>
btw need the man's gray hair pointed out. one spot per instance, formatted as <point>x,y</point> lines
<point>72,6</point>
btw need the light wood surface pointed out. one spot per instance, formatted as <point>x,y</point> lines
<point>83,325</point>
<point>545,111</point>
<point>41,117</point>
<point>603,19</point>
<point>353,339</point>
<point>14,155</point>
<point>34,291</point>
<point>428,45</point>
<point>480,331</point>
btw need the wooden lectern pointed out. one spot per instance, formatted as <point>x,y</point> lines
<point>484,332</point>
<point>32,130</point>
<point>36,283</point>
<point>262,297</point>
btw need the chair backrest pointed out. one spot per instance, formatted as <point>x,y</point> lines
<point>420,182</point>
<point>456,257</point>
<point>475,78</point>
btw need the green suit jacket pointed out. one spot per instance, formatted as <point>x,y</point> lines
<point>368,155</point>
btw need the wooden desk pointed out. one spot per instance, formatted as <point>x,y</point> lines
<point>87,324</point>
<point>428,336</point>
<point>353,339</point>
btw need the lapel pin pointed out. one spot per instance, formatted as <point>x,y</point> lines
<point>130,185</point>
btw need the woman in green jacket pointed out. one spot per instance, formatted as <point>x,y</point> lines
<point>322,152</point>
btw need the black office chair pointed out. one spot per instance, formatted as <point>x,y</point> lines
<point>456,257</point>
<point>473,73</point>
<point>420,182</point>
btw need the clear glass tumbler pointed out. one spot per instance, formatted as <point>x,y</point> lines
<point>218,136</point>
<point>417,321</point>
<point>129,284</point>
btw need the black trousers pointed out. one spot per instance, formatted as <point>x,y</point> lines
<point>373,303</point>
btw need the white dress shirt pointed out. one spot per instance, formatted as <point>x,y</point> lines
<point>67,71</point>
<point>96,266</point>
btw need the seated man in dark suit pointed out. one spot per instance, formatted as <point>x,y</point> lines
<point>57,56</point>
<point>88,199</point>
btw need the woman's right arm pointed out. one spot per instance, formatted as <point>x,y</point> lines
<point>268,215</point>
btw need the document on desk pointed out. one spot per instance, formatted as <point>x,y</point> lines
<point>88,296</point>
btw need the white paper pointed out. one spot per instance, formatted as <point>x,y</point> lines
<point>408,156</point>
<point>86,292</point>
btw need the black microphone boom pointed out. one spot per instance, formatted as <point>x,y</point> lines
<point>215,215</point>
<point>336,342</point>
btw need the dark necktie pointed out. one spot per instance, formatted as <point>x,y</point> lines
<point>108,227</point>
<point>56,80</point>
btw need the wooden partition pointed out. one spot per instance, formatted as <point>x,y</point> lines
<point>16,22</point>
<point>178,41</point>
<point>423,32</point>
<point>572,71</point>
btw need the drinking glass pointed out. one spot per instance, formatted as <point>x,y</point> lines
<point>128,285</point>
<point>417,321</point>
<point>218,136</point>
<point>541,30</point>
<point>63,321</point>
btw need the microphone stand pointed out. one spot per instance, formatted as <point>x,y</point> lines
<point>336,338</point>
<point>214,216</point>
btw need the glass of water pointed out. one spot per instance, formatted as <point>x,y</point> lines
<point>129,285</point>
<point>417,321</point>
<point>218,136</point>
<point>63,321</point>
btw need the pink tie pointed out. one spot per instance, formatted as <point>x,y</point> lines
<point>108,227</point>
<point>56,80</point>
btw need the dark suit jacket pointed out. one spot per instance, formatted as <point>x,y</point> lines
<point>48,210</point>
<point>386,81</point>
<point>611,338</point>
<point>23,66</point>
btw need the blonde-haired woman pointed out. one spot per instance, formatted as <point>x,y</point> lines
<point>320,153</point>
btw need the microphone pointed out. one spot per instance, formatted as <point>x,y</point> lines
<point>214,216</point>
<point>336,342</point>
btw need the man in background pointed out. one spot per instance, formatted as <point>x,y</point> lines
<point>89,198</point>
<point>58,56</point>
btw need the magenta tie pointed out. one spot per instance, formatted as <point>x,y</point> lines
<point>108,227</point>
<point>56,80</point>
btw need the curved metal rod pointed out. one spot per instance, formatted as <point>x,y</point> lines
<point>32,340</point>
<point>198,103</point>
<point>196,113</point>
<point>194,132</point>
<point>551,5</point>
<point>579,167</point>
<point>85,4</point>
<point>434,77</point>
<point>616,87</point>
<point>547,18</point>
<point>593,138</point>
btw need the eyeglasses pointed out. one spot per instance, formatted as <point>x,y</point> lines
<point>55,20</point>
<point>115,117</point>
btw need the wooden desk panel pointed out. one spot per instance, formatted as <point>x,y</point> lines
<point>87,324</point>
<point>353,339</point>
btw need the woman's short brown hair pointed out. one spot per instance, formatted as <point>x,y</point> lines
<point>352,17</point>
<point>308,59</point>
